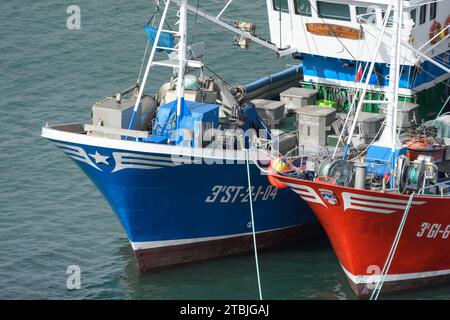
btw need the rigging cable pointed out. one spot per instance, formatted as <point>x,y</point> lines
<point>334,33</point>
<point>216,74</point>
<point>418,66</point>
<point>442,109</point>
<point>151,22</point>
<point>353,104</point>
<point>376,291</point>
<point>143,62</point>
<point>247,159</point>
<point>196,12</point>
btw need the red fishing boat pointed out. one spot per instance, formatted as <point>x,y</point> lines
<point>362,226</point>
<point>386,210</point>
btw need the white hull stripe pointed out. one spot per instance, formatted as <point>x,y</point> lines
<point>168,243</point>
<point>306,193</point>
<point>78,154</point>
<point>123,160</point>
<point>375,204</point>
<point>138,161</point>
<point>372,279</point>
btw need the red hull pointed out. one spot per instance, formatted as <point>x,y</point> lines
<point>362,225</point>
<point>156,258</point>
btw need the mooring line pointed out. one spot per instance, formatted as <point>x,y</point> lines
<point>390,257</point>
<point>247,158</point>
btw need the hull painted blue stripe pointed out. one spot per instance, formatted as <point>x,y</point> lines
<point>345,70</point>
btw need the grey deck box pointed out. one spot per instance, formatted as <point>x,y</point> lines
<point>294,98</point>
<point>368,125</point>
<point>284,142</point>
<point>407,113</point>
<point>109,113</point>
<point>314,124</point>
<point>270,111</point>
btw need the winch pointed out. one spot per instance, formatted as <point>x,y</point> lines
<point>416,175</point>
<point>341,171</point>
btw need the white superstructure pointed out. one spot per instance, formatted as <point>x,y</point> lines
<point>288,21</point>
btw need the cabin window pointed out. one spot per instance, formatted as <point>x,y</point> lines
<point>423,14</point>
<point>281,5</point>
<point>303,7</point>
<point>336,11</point>
<point>414,15</point>
<point>390,21</point>
<point>433,10</point>
<point>366,14</point>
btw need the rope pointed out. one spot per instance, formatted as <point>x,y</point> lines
<point>418,67</point>
<point>442,109</point>
<point>143,61</point>
<point>216,74</point>
<point>387,264</point>
<point>253,221</point>
<point>334,33</point>
<point>353,104</point>
<point>196,11</point>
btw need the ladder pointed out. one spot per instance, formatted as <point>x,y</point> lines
<point>180,63</point>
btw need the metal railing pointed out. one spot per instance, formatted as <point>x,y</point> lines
<point>439,185</point>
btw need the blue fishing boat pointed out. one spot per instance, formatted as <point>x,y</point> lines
<point>172,165</point>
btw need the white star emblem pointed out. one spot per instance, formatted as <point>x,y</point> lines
<point>99,158</point>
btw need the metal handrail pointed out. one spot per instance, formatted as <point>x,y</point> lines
<point>446,183</point>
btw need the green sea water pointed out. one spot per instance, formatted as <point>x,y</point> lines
<point>52,216</point>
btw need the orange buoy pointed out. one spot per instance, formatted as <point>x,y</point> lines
<point>277,165</point>
<point>275,182</point>
<point>447,23</point>
<point>435,30</point>
<point>424,146</point>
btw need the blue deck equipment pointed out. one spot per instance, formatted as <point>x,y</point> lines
<point>252,120</point>
<point>195,114</point>
<point>381,159</point>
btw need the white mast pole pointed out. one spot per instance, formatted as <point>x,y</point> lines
<point>181,58</point>
<point>397,80</point>
<point>389,135</point>
<point>388,138</point>
<point>149,63</point>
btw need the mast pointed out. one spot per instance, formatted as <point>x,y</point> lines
<point>398,29</point>
<point>182,60</point>
<point>389,137</point>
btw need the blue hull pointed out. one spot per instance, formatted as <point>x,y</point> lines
<point>162,204</point>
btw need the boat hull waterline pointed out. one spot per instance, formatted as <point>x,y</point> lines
<point>175,213</point>
<point>362,225</point>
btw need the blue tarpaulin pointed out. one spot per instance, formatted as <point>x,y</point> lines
<point>166,39</point>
